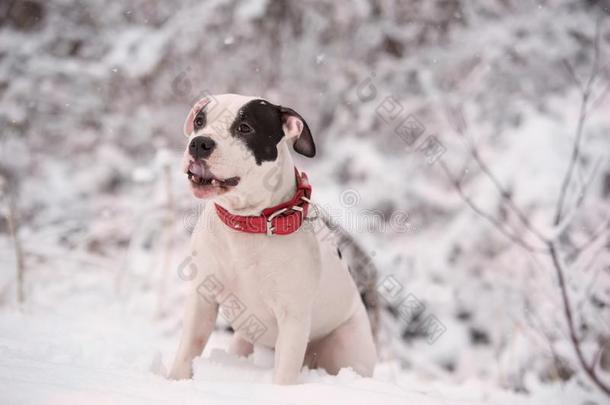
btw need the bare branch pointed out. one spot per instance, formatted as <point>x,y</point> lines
<point>601,97</point>
<point>509,234</point>
<point>506,199</point>
<point>596,56</point>
<point>563,215</point>
<point>586,92</point>
<point>14,231</point>
<point>590,371</point>
<point>569,216</point>
<point>8,187</point>
<point>601,231</point>
<point>168,231</point>
<point>574,158</point>
<point>570,69</point>
<point>597,356</point>
<point>556,259</point>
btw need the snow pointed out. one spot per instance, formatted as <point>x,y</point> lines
<point>117,361</point>
<point>117,351</point>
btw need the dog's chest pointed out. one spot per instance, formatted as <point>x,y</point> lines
<point>244,298</point>
<point>255,277</point>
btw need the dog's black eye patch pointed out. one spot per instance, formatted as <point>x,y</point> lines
<point>200,120</point>
<point>259,125</point>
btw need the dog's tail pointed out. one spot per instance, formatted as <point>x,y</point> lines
<point>362,269</point>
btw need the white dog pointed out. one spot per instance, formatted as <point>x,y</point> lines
<point>257,248</point>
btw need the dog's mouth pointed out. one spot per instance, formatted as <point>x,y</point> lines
<point>205,184</point>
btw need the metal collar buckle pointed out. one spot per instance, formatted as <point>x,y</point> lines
<point>270,228</point>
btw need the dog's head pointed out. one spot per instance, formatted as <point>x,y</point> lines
<point>234,139</point>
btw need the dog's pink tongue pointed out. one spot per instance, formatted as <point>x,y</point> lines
<point>197,168</point>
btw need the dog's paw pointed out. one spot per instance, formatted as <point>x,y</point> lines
<point>180,373</point>
<point>284,379</point>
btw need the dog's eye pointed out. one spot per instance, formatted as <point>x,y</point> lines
<point>199,122</point>
<point>244,128</point>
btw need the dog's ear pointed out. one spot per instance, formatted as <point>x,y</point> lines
<point>296,128</point>
<point>188,123</point>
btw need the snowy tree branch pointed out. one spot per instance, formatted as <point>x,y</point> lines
<point>564,213</point>
<point>506,197</point>
<point>584,105</point>
<point>490,218</point>
<point>8,186</point>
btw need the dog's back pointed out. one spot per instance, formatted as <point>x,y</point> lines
<point>359,263</point>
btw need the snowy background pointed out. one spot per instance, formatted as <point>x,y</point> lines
<point>92,99</point>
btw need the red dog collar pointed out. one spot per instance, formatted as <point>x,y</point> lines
<point>282,219</point>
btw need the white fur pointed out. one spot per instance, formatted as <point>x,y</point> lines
<point>295,285</point>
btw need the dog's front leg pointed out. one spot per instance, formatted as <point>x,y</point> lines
<point>199,320</point>
<point>293,335</point>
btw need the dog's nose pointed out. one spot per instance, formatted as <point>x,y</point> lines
<point>201,147</point>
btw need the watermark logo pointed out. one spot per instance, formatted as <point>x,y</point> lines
<point>411,310</point>
<point>350,198</point>
<point>232,308</point>
<point>187,269</point>
<point>390,289</point>
<point>210,288</point>
<point>409,129</point>
<point>253,328</point>
<point>432,149</point>
<point>389,109</point>
<point>191,217</point>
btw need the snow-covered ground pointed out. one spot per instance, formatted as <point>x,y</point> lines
<point>80,343</point>
<point>76,343</point>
